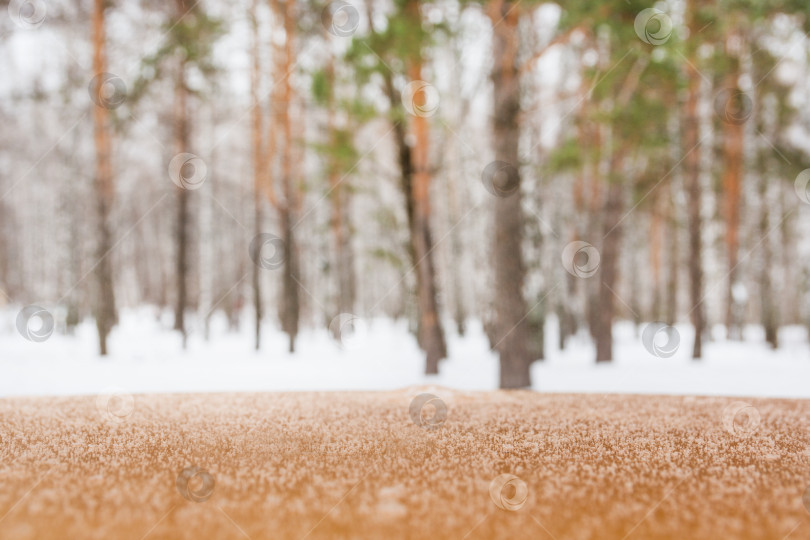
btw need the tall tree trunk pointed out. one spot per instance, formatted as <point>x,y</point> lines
<point>732,191</point>
<point>456,194</point>
<point>105,312</point>
<point>512,331</point>
<point>347,283</point>
<point>432,335</point>
<point>73,316</point>
<point>611,225</point>
<point>768,312</point>
<point>405,162</point>
<point>339,222</point>
<point>791,314</point>
<point>182,209</point>
<point>656,243</point>
<point>673,260</point>
<point>691,161</point>
<point>258,169</point>
<point>415,181</point>
<point>608,268</point>
<point>575,307</point>
<point>456,266</point>
<point>206,261</point>
<point>593,219</point>
<point>430,325</point>
<point>566,318</point>
<point>290,305</point>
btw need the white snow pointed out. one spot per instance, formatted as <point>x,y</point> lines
<point>147,357</point>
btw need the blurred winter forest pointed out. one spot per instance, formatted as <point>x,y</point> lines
<point>300,164</point>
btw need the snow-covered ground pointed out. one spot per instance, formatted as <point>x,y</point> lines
<point>380,355</point>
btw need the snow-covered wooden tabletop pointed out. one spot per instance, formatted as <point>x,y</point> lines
<point>381,465</point>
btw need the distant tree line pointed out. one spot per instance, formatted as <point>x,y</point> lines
<point>305,163</point>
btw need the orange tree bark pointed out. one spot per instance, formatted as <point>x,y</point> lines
<point>432,336</point>
<point>431,333</point>
<point>691,164</point>
<point>732,186</point>
<point>105,312</point>
<point>290,305</point>
<point>512,330</point>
